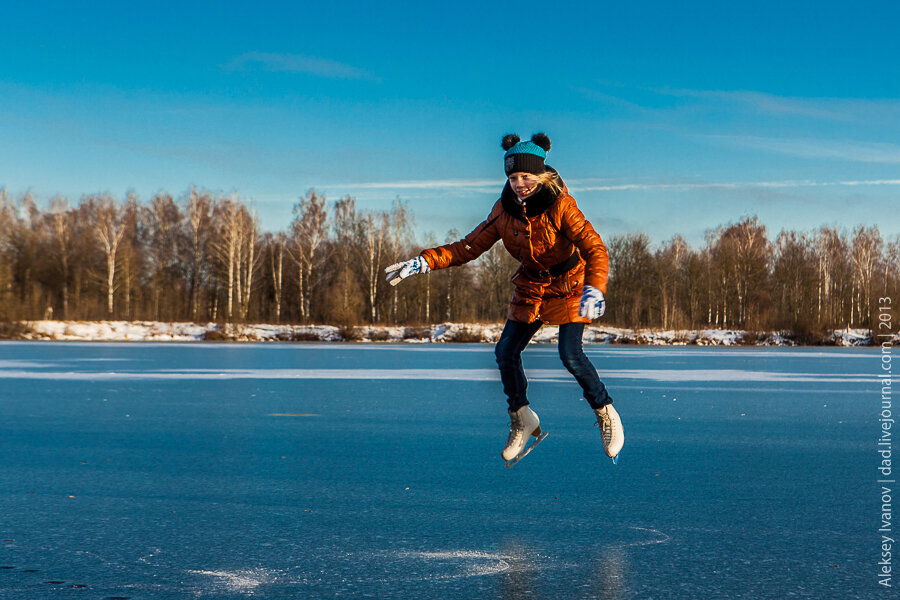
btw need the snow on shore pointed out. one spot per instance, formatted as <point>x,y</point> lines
<point>153,331</point>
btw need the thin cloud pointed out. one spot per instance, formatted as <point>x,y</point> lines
<point>729,185</point>
<point>604,98</point>
<point>421,184</point>
<point>849,110</point>
<point>604,185</point>
<point>820,108</point>
<point>298,63</point>
<point>875,110</point>
<point>871,152</point>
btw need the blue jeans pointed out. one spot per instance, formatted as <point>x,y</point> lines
<point>515,338</point>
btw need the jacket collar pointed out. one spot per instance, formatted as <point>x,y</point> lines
<point>534,206</point>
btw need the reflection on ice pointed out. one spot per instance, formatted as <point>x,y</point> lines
<point>610,574</point>
<point>244,581</point>
<point>462,563</point>
<point>518,582</point>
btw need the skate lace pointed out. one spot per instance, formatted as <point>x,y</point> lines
<point>607,427</point>
<point>515,429</point>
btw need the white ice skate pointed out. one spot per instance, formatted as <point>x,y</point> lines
<point>611,431</point>
<point>523,423</point>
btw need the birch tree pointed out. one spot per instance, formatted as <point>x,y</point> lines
<point>198,224</point>
<point>132,258</point>
<point>309,231</point>
<point>248,257</point>
<point>227,246</point>
<point>373,233</point>
<point>866,255</point>
<point>61,231</point>
<point>832,264</point>
<point>400,236</point>
<point>276,247</point>
<point>109,229</point>
<point>669,261</point>
<point>748,250</point>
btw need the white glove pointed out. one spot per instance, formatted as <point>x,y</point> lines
<point>592,303</point>
<point>401,270</point>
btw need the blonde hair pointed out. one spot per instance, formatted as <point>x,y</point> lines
<point>551,182</point>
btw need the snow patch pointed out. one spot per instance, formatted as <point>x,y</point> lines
<point>145,331</point>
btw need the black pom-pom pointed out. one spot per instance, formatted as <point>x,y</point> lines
<point>510,140</point>
<point>541,140</point>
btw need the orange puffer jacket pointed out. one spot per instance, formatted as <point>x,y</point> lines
<point>545,234</point>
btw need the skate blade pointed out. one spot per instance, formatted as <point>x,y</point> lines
<point>615,459</point>
<point>525,452</point>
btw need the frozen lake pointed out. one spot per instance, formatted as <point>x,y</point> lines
<point>351,471</point>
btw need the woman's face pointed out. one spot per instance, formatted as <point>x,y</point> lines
<point>523,184</point>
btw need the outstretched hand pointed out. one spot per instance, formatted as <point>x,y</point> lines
<point>593,305</point>
<point>401,270</point>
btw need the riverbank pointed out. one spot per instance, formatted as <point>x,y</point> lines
<point>154,331</point>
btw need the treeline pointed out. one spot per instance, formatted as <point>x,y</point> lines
<point>203,257</point>
<point>803,282</point>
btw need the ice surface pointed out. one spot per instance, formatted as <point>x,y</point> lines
<point>745,474</point>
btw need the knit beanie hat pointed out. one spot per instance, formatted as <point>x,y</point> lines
<point>525,157</point>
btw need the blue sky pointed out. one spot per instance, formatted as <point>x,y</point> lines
<point>665,117</point>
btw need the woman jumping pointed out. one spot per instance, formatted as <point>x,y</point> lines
<point>560,281</point>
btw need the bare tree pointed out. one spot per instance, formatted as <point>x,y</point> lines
<point>891,263</point>
<point>248,257</point>
<point>400,236</point>
<point>276,245</point>
<point>495,270</point>
<point>450,276</point>
<point>373,233</point>
<point>61,229</point>
<point>696,287</point>
<point>109,229</point>
<point>345,284</point>
<point>833,267</point>
<point>133,267</point>
<point>8,219</point>
<point>430,242</point>
<point>669,264</point>
<point>198,224</point>
<point>794,282</point>
<point>164,226</point>
<point>630,283</point>
<point>227,246</point>
<point>866,254</point>
<point>749,252</point>
<point>309,231</point>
